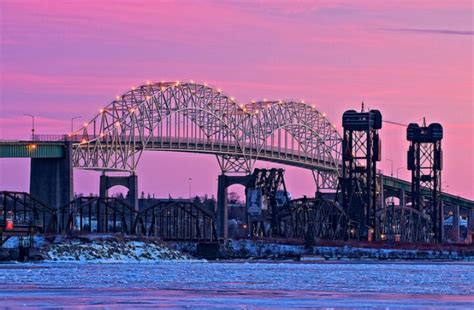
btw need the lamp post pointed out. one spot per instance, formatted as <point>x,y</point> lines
<point>391,167</point>
<point>32,126</point>
<point>72,123</point>
<point>446,186</point>
<point>398,169</point>
<point>190,184</point>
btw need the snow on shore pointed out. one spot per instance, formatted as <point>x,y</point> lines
<point>111,251</point>
<point>249,248</point>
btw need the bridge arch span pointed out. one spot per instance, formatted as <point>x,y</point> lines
<point>192,117</point>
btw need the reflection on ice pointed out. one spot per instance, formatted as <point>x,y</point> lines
<point>232,285</point>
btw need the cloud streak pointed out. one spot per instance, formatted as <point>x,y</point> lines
<point>431,31</point>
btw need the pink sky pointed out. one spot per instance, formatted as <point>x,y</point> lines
<point>410,59</point>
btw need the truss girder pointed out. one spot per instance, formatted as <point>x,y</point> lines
<point>192,117</point>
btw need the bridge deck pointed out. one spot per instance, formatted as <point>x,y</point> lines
<point>31,149</point>
<point>298,158</point>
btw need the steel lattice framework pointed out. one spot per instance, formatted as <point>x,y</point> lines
<point>191,117</point>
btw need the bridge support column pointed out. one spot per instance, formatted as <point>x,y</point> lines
<point>471,220</point>
<point>222,210</point>
<point>51,179</point>
<point>470,225</point>
<point>402,198</point>
<point>455,231</point>
<point>130,182</point>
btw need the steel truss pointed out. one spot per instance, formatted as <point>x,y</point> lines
<point>176,220</point>
<point>97,215</point>
<point>425,162</point>
<point>190,117</point>
<point>27,213</point>
<point>314,219</point>
<point>410,225</point>
<point>268,182</point>
<point>169,220</point>
<point>358,184</point>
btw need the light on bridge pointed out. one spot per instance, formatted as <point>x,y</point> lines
<point>101,110</point>
<point>117,124</point>
<point>117,97</point>
<point>83,141</point>
<point>218,90</point>
<point>133,87</point>
<point>31,147</point>
<point>192,81</point>
<point>231,98</point>
<point>205,84</point>
<point>86,124</point>
<point>9,224</point>
<point>302,101</point>
<point>148,82</point>
<point>148,97</point>
<point>177,83</point>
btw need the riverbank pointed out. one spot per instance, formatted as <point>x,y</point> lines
<point>259,249</point>
<point>117,248</point>
<point>98,249</point>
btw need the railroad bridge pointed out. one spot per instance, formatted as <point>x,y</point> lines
<point>195,118</point>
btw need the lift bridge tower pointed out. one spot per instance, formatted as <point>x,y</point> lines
<point>425,161</point>
<point>360,153</point>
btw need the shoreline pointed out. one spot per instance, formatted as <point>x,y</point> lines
<point>109,249</point>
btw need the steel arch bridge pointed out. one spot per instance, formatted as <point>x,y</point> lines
<point>192,117</point>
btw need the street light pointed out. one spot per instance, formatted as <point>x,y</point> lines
<point>72,123</point>
<point>398,169</point>
<point>445,187</point>
<point>32,126</point>
<point>391,167</point>
<point>190,182</point>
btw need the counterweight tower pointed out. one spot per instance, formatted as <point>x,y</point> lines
<point>360,153</point>
<point>425,163</point>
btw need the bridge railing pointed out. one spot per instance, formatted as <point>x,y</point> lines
<point>56,137</point>
<point>192,143</point>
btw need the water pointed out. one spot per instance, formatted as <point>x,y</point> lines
<point>232,285</point>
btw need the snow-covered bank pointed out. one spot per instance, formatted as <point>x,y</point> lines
<point>110,250</point>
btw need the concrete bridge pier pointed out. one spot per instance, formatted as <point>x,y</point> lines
<point>222,212</point>
<point>130,182</point>
<point>222,209</point>
<point>51,179</point>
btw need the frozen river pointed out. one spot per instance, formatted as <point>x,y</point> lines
<point>237,285</point>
